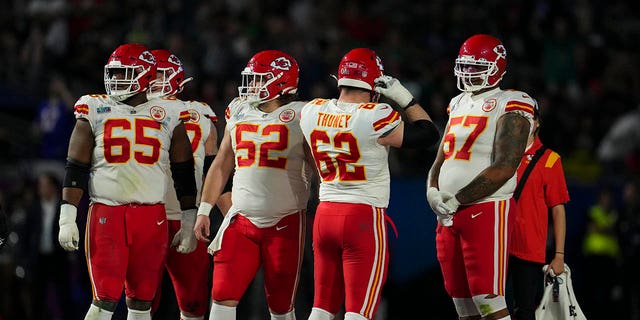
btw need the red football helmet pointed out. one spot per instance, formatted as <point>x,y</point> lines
<point>481,63</point>
<point>169,75</point>
<point>360,68</point>
<point>129,70</point>
<point>268,75</point>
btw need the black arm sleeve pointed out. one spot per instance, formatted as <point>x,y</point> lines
<point>184,178</point>
<point>420,134</point>
<point>76,175</point>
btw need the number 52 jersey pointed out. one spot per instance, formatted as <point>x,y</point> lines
<point>270,180</point>
<point>344,140</point>
<point>130,158</point>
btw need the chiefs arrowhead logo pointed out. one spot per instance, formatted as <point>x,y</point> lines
<point>281,63</point>
<point>147,57</point>
<point>173,59</point>
<point>500,51</point>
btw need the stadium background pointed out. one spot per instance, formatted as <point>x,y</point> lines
<point>578,58</point>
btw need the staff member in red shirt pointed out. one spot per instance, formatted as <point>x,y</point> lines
<point>543,191</point>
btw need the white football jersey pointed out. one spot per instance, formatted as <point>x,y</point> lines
<point>270,181</point>
<point>130,159</point>
<point>468,143</point>
<point>198,126</point>
<point>344,140</point>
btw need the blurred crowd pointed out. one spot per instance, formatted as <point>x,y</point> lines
<point>577,58</point>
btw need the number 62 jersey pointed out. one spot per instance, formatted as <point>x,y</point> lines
<point>130,158</point>
<point>344,140</point>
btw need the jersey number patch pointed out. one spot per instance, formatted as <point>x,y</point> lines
<point>279,143</point>
<point>449,140</point>
<point>341,166</point>
<point>195,134</point>
<point>117,149</point>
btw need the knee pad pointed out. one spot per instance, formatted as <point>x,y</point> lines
<point>465,307</point>
<point>319,314</point>
<point>488,306</point>
<point>354,316</point>
<point>291,315</point>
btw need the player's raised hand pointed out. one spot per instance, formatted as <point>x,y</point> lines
<point>391,88</point>
<point>69,236</point>
<point>185,240</point>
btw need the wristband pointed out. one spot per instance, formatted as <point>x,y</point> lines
<point>558,252</point>
<point>204,208</point>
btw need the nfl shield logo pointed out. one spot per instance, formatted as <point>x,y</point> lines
<point>102,220</point>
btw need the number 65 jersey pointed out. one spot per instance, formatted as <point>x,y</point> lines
<point>344,140</point>
<point>270,181</point>
<point>130,158</point>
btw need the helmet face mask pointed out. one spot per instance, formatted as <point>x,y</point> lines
<point>481,63</point>
<point>267,76</point>
<point>129,71</point>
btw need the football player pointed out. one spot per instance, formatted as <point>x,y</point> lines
<point>121,150</point>
<point>266,223</point>
<point>471,182</point>
<point>350,139</point>
<point>189,272</point>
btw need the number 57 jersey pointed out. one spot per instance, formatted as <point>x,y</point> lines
<point>270,181</point>
<point>130,158</point>
<point>344,140</point>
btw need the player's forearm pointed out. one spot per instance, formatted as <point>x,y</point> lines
<point>485,184</point>
<point>72,195</point>
<point>415,112</point>
<point>559,227</point>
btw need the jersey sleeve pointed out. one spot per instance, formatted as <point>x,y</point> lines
<point>385,118</point>
<point>520,103</point>
<point>556,187</point>
<point>209,112</point>
<point>82,107</point>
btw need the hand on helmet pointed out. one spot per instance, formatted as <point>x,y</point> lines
<point>392,88</point>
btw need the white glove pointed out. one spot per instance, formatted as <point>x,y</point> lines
<point>392,88</point>
<point>69,235</point>
<point>436,202</point>
<point>185,239</point>
<point>452,204</point>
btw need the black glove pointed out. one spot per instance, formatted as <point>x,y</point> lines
<point>4,229</point>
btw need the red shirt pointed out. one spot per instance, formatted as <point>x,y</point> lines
<point>544,189</point>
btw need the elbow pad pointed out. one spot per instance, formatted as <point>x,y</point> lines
<point>420,134</point>
<point>76,175</point>
<point>184,180</point>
